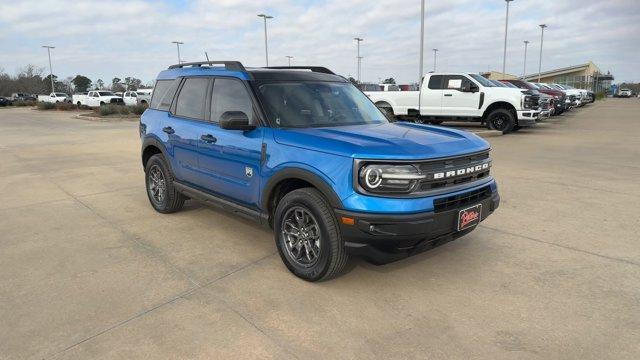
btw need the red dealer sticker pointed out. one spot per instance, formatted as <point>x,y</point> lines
<point>469,217</point>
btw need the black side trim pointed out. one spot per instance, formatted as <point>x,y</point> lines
<point>295,173</point>
<point>225,204</point>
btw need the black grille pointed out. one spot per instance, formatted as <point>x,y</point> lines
<point>452,164</point>
<point>458,201</point>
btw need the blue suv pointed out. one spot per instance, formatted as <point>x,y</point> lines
<point>304,151</point>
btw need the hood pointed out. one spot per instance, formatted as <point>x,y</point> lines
<point>552,92</point>
<point>400,141</point>
<point>508,92</point>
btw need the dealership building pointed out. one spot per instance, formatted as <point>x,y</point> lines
<point>583,76</point>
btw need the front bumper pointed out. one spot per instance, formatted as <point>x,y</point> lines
<point>527,117</point>
<point>383,238</point>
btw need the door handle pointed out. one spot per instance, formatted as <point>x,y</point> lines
<point>448,94</point>
<point>208,138</point>
<point>168,130</point>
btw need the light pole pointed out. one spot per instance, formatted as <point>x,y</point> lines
<point>178,43</point>
<point>50,68</point>
<point>266,46</point>
<point>524,71</point>
<point>506,26</point>
<point>542,26</point>
<point>435,53</point>
<point>421,44</point>
<point>289,57</point>
<point>358,40</point>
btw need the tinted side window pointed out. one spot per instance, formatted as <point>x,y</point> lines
<point>230,95</point>
<point>435,82</point>
<point>456,82</point>
<point>191,100</point>
<point>163,94</point>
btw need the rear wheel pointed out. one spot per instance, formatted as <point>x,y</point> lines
<point>307,236</point>
<point>159,182</point>
<point>501,120</point>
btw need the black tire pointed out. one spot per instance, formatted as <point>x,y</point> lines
<point>502,120</point>
<point>101,103</point>
<point>166,199</point>
<point>331,256</point>
<point>516,128</point>
<point>419,120</point>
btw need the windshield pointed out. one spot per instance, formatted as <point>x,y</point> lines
<point>106,93</point>
<point>317,104</point>
<point>498,83</point>
<point>532,85</point>
<point>482,80</point>
<point>61,94</point>
<point>508,84</point>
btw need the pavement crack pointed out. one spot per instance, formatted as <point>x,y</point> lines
<point>183,295</point>
<point>561,246</point>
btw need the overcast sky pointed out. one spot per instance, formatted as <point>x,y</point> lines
<point>104,39</point>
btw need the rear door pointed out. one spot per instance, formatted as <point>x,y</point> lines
<point>230,160</point>
<point>184,125</point>
<point>456,102</point>
<point>431,96</point>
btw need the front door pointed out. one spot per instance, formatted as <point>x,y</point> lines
<point>230,160</point>
<point>456,102</point>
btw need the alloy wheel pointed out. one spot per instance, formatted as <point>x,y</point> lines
<point>301,235</point>
<point>157,184</point>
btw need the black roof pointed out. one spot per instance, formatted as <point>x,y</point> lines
<point>293,74</point>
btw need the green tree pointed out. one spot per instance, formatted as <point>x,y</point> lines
<point>81,83</point>
<point>389,81</point>
<point>99,84</point>
<point>116,85</point>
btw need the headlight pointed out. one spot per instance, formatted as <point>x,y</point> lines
<point>527,102</point>
<point>387,178</point>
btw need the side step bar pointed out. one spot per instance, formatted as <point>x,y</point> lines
<point>210,199</point>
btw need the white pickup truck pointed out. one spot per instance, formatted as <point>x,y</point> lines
<point>461,97</point>
<point>97,98</point>
<point>56,97</point>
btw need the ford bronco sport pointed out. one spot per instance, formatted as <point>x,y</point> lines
<point>304,151</point>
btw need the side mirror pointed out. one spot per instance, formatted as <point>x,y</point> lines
<point>235,120</point>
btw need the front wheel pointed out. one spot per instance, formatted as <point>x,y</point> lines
<point>501,120</point>
<point>307,236</point>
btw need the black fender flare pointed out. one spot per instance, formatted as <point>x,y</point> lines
<point>150,141</point>
<point>306,175</point>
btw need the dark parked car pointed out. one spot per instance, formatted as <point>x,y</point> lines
<point>5,101</point>
<point>22,97</point>
<point>559,97</point>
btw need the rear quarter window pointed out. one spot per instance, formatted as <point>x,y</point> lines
<point>435,82</point>
<point>163,94</point>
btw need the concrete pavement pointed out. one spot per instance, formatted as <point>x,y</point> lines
<point>89,270</point>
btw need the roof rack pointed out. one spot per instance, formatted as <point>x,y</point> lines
<point>230,65</point>
<point>320,69</point>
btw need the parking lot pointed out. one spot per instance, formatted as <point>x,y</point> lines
<point>90,270</point>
